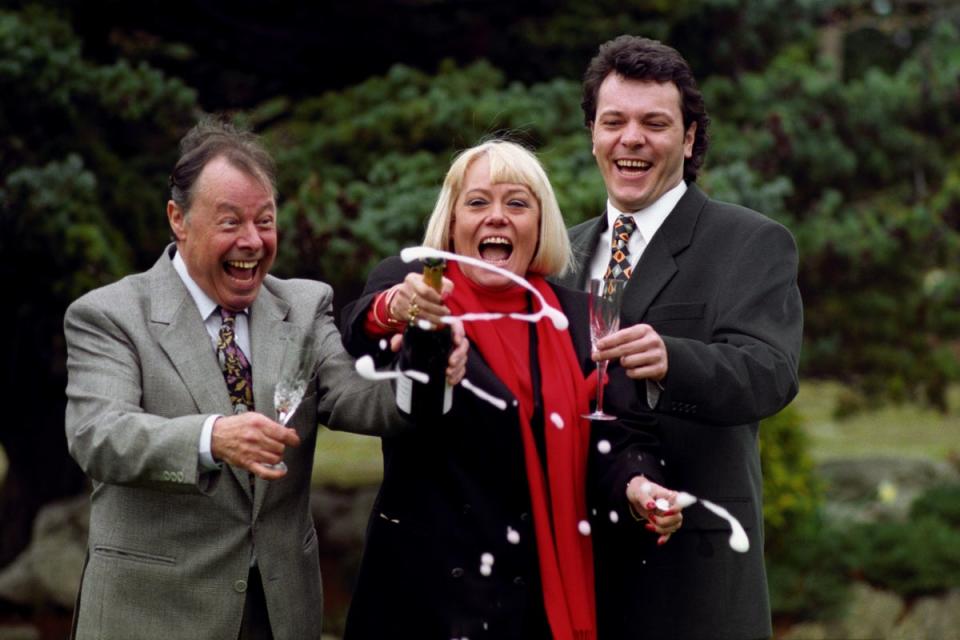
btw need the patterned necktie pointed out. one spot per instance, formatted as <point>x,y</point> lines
<point>235,366</point>
<point>619,267</point>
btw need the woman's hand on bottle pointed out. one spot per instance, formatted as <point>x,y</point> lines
<point>413,300</point>
<point>457,363</point>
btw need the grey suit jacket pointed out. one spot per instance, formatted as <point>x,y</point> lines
<point>719,283</point>
<point>170,546</point>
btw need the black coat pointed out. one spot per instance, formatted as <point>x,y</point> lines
<point>450,492</point>
<point>718,282</point>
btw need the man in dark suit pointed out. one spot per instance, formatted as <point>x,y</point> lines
<point>711,331</point>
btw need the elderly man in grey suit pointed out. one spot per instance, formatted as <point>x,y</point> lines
<point>712,324</point>
<point>196,530</point>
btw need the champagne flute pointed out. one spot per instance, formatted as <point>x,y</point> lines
<point>605,298</point>
<point>296,370</point>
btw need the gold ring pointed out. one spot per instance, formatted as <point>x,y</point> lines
<point>413,300</point>
<point>413,312</point>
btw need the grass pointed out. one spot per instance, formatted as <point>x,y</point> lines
<point>902,430</point>
<point>346,459</point>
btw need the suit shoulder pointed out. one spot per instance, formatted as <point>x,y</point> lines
<point>298,290</point>
<point>124,293</point>
<point>583,227</point>
<point>743,218</point>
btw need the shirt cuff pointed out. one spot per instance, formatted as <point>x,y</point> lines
<point>207,463</point>
<point>653,393</point>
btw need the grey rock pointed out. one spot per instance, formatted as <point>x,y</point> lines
<point>49,570</point>
<point>871,614</point>
<point>879,488</point>
<point>931,618</point>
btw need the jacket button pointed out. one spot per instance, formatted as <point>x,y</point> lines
<point>240,586</point>
<point>457,572</point>
<point>524,516</point>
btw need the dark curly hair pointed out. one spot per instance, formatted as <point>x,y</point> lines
<point>639,58</point>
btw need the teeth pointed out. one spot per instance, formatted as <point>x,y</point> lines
<point>241,264</point>
<point>633,164</point>
<point>496,240</point>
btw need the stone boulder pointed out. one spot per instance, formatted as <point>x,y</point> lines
<point>880,487</point>
<point>48,571</point>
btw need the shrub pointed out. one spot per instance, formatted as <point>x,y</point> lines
<point>940,502</point>
<point>791,492</point>
<point>917,557</point>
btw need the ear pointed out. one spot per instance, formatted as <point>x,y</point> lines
<point>688,138</point>
<point>593,143</point>
<point>177,219</point>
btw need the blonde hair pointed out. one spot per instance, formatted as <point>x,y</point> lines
<point>509,162</point>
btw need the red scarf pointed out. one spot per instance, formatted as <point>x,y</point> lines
<point>559,499</point>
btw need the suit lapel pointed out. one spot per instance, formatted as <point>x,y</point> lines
<point>583,243</point>
<point>657,265</point>
<point>269,333</point>
<point>178,327</point>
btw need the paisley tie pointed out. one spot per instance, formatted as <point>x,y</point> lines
<point>235,366</point>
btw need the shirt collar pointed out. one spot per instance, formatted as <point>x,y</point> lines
<point>205,304</point>
<point>648,220</point>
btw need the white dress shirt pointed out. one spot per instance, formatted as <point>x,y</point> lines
<point>212,322</point>
<point>648,221</point>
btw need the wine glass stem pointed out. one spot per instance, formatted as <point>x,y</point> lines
<point>601,370</point>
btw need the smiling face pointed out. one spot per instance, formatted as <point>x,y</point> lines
<point>229,239</point>
<point>639,141</point>
<point>497,223</point>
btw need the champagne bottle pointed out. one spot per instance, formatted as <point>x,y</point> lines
<point>426,348</point>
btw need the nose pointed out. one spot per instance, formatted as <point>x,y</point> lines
<point>633,135</point>
<point>496,215</point>
<point>249,238</point>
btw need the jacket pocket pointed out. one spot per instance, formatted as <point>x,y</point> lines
<point>116,553</point>
<point>675,311</point>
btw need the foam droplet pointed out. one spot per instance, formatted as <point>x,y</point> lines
<point>512,536</point>
<point>584,527</point>
<point>486,558</point>
<point>383,344</point>
<point>614,517</point>
<point>556,420</point>
<point>738,537</point>
<point>603,446</point>
<point>499,403</point>
<point>684,500</point>
<point>662,504</point>
<point>485,570</point>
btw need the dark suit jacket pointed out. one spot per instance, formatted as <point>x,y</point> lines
<point>718,283</point>
<point>452,490</point>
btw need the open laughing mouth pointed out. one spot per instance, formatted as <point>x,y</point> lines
<point>632,167</point>
<point>241,269</point>
<point>496,250</point>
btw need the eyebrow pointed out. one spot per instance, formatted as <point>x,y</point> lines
<point>654,113</point>
<point>233,208</point>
